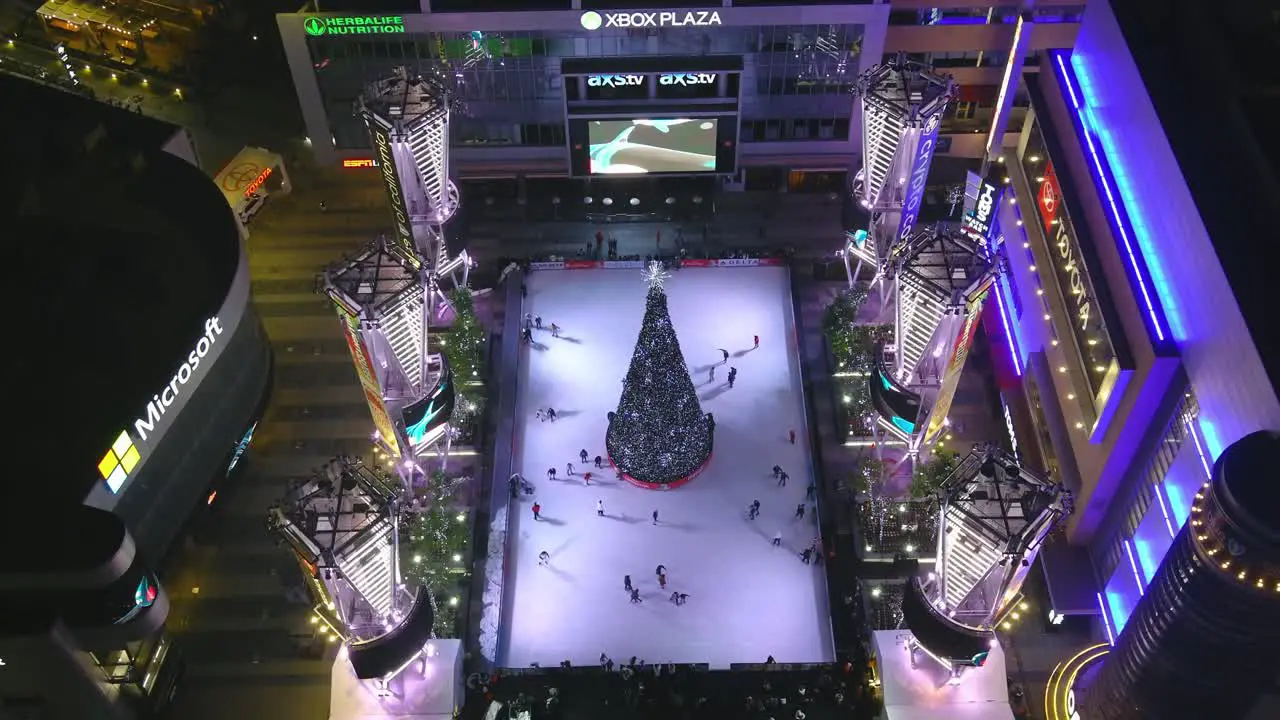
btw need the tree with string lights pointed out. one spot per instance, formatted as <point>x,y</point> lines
<point>659,434</point>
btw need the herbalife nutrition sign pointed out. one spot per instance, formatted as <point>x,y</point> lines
<point>354,25</point>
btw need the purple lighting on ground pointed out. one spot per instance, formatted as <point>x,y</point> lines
<point>1103,179</point>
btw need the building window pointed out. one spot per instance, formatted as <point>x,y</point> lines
<point>965,110</point>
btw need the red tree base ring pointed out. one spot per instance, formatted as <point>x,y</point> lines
<point>678,482</point>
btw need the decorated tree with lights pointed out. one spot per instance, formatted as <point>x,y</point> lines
<point>659,434</point>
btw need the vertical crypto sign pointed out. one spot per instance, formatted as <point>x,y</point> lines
<point>369,382</point>
<point>385,154</point>
<point>951,378</point>
<point>919,175</point>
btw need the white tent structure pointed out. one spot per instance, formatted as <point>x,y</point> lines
<point>429,689</point>
<point>920,690</point>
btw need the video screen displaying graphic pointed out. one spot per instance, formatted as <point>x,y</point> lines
<point>629,147</point>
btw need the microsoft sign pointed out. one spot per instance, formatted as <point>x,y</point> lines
<point>354,25</point>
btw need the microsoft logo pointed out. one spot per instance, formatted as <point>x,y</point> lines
<point>119,461</point>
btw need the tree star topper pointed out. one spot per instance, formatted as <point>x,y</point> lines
<point>655,275</point>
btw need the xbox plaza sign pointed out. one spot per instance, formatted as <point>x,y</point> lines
<point>317,26</point>
<point>592,20</point>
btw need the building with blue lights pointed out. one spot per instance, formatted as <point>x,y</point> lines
<point>1138,201</point>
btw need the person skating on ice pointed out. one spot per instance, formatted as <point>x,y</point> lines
<point>733,375</point>
<point>756,340</point>
<point>586,478</point>
<point>555,330</point>
<point>582,455</point>
<point>537,511</point>
<point>544,558</point>
<point>712,372</point>
<point>537,322</point>
<point>800,511</point>
<point>782,479</point>
<point>806,556</point>
<point>792,435</point>
<point>777,539</point>
<point>568,469</point>
<point>540,415</point>
<point>811,492</point>
<point>551,473</point>
<point>635,595</point>
<point>662,581</point>
<point>684,597</point>
<point>675,597</point>
<point>725,354</point>
<point>777,470</point>
<point>655,517</point>
<point>599,461</point>
<point>661,570</point>
<point>600,508</point>
<point>551,414</point>
<point>626,583</point>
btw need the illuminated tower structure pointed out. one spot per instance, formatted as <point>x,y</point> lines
<point>343,526</point>
<point>1202,641</point>
<point>939,280</point>
<point>994,516</point>
<point>386,302</point>
<point>903,104</point>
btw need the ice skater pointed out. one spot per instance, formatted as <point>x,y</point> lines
<point>537,322</point>
<point>551,473</point>
<point>682,599</point>
<point>675,597</point>
<point>582,455</point>
<point>662,581</point>
<point>782,479</point>
<point>526,335</point>
<point>800,511</point>
<point>537,511</point>
<point>712,373</point>
<point>777,539</point>
<point>568,469</point>
<point>626,583</point>
<point>806,557</point>
<point>733,375</point>
<point>655,517</point>
<point>586,478</point>
<point>551,414</point>
<point>528,321</point>
<point>599,460</point>
<point>792,433</point>
<point>725,354</point>
<point>753,511</point>
<point>555,330</point>
<point>635,596</point>
<point>811,492</point>
<point>777,470</point>
<point>756,340</point>
<point>660,570</point>
<point>542,417</point>
<point>544,558</point>
<point>600,508</point>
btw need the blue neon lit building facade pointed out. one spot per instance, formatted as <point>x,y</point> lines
<point>1133,228</point>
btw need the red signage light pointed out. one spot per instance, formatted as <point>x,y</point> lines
<point>252,187</point>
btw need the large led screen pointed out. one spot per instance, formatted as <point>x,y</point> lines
<point>648,145</point>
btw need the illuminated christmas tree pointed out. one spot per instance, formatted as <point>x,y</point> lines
<point>659,434</point>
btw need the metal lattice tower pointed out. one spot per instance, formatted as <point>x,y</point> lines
<point>903,104</point>
<point>940,279</point>
<point>994,516</point>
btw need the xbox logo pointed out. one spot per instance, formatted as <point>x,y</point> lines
<point>314,26</point>
<point>591,20</point>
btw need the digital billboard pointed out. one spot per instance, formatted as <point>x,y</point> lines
<point>650,145</point>
<point>424,419</point>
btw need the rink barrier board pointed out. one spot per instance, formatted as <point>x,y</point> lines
<point>665,486</point>
<point>639,264</point>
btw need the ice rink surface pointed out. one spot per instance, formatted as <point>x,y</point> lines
<point>747,599</point>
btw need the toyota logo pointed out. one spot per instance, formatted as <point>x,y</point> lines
<point>239,177</point>
<point>1048,198</point>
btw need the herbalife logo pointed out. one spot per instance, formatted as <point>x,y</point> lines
<point>354,25</point>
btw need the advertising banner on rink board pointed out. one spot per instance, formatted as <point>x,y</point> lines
<point>546,266</point>
<point>951,377</point>
<point>623,264</point>
<point>581,264</point>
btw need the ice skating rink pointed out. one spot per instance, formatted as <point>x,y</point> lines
<point>747,599</point>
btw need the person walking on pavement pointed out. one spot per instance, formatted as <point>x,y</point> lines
<point>600,508</point>
<point>537,511</point>
<point>800,511</point>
